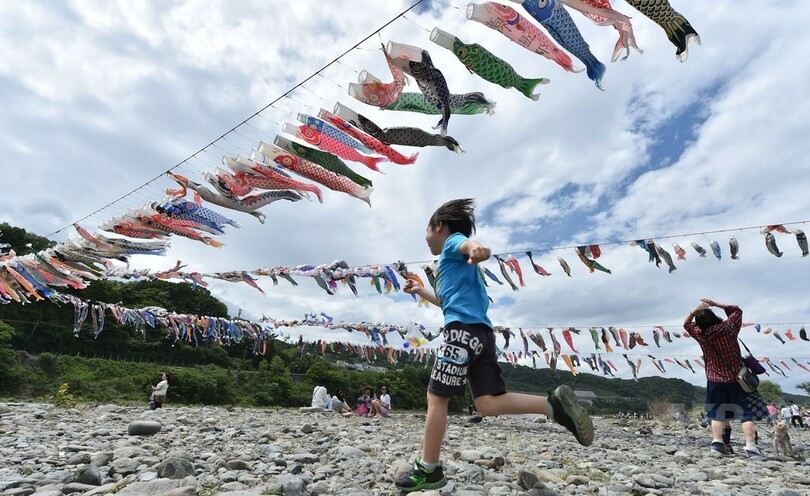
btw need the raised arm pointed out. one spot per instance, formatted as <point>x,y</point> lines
<point>693,313</point>
<point>475,251</point>
<point>413,287</point>
<point>712,303</point>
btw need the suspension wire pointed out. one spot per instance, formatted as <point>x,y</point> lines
<point>283,95</point>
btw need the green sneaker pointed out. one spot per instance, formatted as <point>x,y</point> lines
<point>569,414</point>
<point>418,479</point>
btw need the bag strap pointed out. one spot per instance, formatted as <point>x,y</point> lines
<point>746,347</point>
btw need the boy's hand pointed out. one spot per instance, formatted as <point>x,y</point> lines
<point>411,286</point>
<point>478,254</point>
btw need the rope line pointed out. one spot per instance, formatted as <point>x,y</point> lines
<point>283,95</point>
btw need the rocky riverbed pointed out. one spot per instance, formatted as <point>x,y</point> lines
<point>179,451</point>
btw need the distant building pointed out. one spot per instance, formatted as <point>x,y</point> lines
<point>586,397</point>
<point>360,366</point>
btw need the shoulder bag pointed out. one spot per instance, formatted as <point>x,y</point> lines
<point>747,376</point>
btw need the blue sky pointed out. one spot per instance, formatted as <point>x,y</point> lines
<point>101,97</point>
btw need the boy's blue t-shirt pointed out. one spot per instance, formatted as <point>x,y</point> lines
<point>459,285</point>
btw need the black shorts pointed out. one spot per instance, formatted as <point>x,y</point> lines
<point>468,352</point>
<point>728,401</point>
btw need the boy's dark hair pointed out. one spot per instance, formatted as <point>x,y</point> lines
<point>706,318</point>
<point>457,215</point>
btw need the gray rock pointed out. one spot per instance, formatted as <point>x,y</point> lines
<point>175,468</point>
<point>148,475</point>
<point>270,449</point>
<point>307,429</point>
<point>577,480</point>
<point>471,455</point>
<point>304,458</point>
<point>78,459</point>
<point>102,459</point>
<point>698,476</point>
<point>683,457</point>
<point>619,488</point>
<point>527,480</point>
<point>187,486</point>
<point>248,493</point>
<point>129,452</point>
<point>184,491</point>
<point>347,452</point>
<point>124,466</point>
<point>106,488</point>
<point>4,409</point>
<point>237,465</point>
<point>89,475</point>
<point>289,485</point>
<point>143,428</point>
<point>19,491</point>
<point>75,487</point>
<point>542,490</point>
<point>186,455</point>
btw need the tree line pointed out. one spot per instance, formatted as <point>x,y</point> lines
<point>39,352</point>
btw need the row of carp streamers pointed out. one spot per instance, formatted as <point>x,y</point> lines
<point>76,262</point>
<point>345,135</point>
<point>337,136</point>
<point>194,329</point>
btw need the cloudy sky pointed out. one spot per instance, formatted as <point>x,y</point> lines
<point>101,97</point>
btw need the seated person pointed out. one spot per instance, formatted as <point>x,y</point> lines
<point>320,398</point>
<point>339,403</point>
<point>364,401</point>
<point>383,405</point>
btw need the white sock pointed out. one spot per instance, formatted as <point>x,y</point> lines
<point>750,446</point>
<point>429,467</point>
<point>717,440</point>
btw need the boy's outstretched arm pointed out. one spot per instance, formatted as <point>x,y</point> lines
<point>413,287</point>
<point>475,251</point>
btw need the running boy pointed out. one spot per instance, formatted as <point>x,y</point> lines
<point>468,351</point>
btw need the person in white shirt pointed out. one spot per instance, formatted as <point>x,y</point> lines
<point>382,405</point>
<point>795,415</point>
<point>159,391</point>
<point>786,414</point>
<point>320,398</point>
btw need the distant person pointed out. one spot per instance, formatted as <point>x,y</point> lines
<point>795,415</point>
<point>382,406</point>
<point>772,413</point>
<point>159,391</point>
<point>468,351</point>
<point>364,401</point>
<point>725,398</point>
<point>786,413</point>
<point>339,403</point>
<point>320,397</point>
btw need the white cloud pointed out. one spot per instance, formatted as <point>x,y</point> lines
<point>104,96</point>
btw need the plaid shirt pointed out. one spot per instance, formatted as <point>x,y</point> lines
<point>721,350</point>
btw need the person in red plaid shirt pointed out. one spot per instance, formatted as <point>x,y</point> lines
<point>725,399</point>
